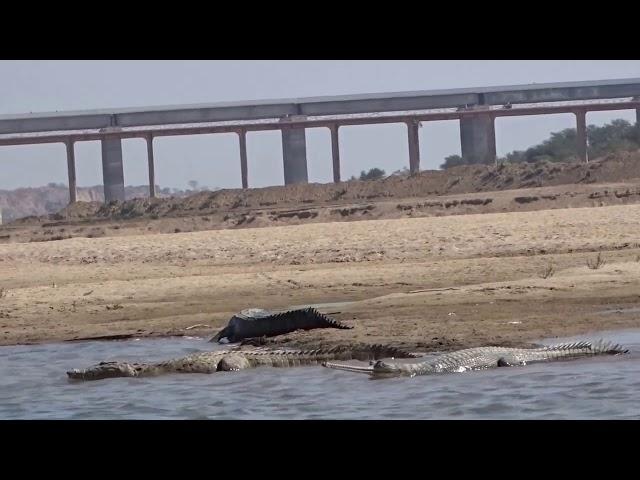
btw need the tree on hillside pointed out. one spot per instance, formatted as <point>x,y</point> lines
<point>372,174</point>
<point>616,136</point>
<point>193,184</point>
<point>452,161</point>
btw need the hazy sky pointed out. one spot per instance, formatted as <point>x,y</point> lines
<point>213,160</point>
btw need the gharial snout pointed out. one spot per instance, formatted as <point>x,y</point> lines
<point>103,370</point>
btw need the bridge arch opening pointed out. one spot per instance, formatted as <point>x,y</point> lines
<point>196,162</point>
<point>264,158</point>
<point>319,158</point>
<point>32,166</point>
<point>363,147</point>
<point>438,140</point>
<point>597,142</point>
<point>88,157</point>
<point>521,133</point>
<point>37,165</point>
<point>134,163</point>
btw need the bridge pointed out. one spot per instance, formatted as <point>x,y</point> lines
<point>475,108</point>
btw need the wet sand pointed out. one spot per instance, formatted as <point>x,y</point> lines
<point>427,283</point>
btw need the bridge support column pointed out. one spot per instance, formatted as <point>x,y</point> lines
<point>478,139</point>
<point>71,169</point>
<point>152,169</point>
<point>294,153</point>
<point>242,135</point>
<point>335,152</point>
<point>112,171</point>
<point>637,116</point>
<point>581,135</point>
<point>414,146</point>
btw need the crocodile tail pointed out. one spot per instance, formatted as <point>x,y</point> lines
<point>609,348</point>
<point>328,321</point>
<point>596,348</point>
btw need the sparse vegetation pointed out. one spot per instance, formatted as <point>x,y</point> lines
<point>597,263</point>
<point>452,161</point>
<point>372,174</point>
<point>619,135</point>
<point>548,271</point>
<point>3,292</point>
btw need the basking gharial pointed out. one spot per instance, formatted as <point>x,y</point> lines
<point>256,322</point>
<point>483,358</point>
<point>238,359</point>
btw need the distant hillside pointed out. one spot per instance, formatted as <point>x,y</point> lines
<point>25,202</point>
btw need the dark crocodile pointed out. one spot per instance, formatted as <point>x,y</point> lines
<point>483,358</point>
<point>256,322</point>
<point>238,359</point>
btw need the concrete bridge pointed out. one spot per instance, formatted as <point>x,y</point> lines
<point>475,108</point>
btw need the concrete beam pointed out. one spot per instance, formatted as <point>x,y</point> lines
<point>151,164</point>
<point>294,153</point>
<point>562,94</point>
<point>71,170</point>
<point>397,103</point>
<point>112,170</point>
<point>205,114</point>
<point>414,146</point>
<point>478,140</point>
<point>244,169</point>
<point>57,137</point>
<point>335,152</point>
<point>581,135</point>
<point>330,105</point>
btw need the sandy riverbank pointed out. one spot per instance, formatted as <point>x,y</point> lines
<point>429,283</point>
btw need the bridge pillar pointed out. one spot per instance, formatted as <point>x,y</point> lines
<point>71,170</point>
<point>152,169</point>
<point>244,171</point>
<point>478,139</point>
<point>112,171</point>
<point>335,152</point>
<point>414,146</point>
<point>638,116</point>
<point>294,153</point>
<point>581,135</point>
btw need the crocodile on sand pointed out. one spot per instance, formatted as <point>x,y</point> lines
<point>483,358</point>
<point>256,322</point>
<point>238,359</point>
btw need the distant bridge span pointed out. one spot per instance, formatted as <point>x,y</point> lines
<point>475,108</point>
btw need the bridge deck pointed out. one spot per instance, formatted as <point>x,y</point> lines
<point>319,106</point>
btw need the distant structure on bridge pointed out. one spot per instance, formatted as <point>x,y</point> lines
<point>475,108</point>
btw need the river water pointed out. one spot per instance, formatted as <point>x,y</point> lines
<point>34,385</point>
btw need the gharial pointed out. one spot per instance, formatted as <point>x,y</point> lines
<point>257,322</point>
<point>237,359</point>
<point>483,358</point>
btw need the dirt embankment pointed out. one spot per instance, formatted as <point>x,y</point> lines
<point>613,180</point>
<point>42,201</point>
